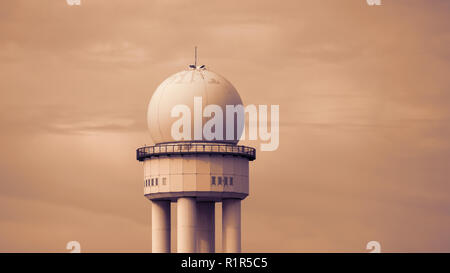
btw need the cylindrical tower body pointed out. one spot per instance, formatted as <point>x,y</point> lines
<point>231,225</point>
<point>206,227</point>
<point>186,225</point>
<point>160,226</point>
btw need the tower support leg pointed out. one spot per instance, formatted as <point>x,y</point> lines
<point>186,225</point>
<point>161,226</point>
<point>231,225</point>
<point>206,227</point>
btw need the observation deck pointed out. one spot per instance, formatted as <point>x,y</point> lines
<point>190,148</point>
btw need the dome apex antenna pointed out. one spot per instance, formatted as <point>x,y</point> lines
<point>195,66</point>
<point>195,63</point>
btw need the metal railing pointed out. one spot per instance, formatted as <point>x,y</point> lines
<point>195,148</point>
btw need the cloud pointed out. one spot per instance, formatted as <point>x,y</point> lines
<point>364,113</point>
<point>64,120</point>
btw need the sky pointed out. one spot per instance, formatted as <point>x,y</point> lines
<point>364,98</point>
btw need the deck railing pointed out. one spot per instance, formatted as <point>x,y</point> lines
<point>195,148</point>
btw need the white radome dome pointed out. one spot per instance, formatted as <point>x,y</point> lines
<point>181,88</point>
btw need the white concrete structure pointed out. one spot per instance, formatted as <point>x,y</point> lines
<point>161,226</point>
<point>231,225</point>
<point>206,225</point>
<point>194,174</point>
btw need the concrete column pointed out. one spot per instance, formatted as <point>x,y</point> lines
<point>161,226</point>
<point>206,227</point>
<point>231,225</point>
<point>186,224</point>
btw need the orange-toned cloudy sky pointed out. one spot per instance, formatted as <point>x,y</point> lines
<point>364,95</point>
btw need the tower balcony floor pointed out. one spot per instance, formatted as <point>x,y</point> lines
<point>192,148</point>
